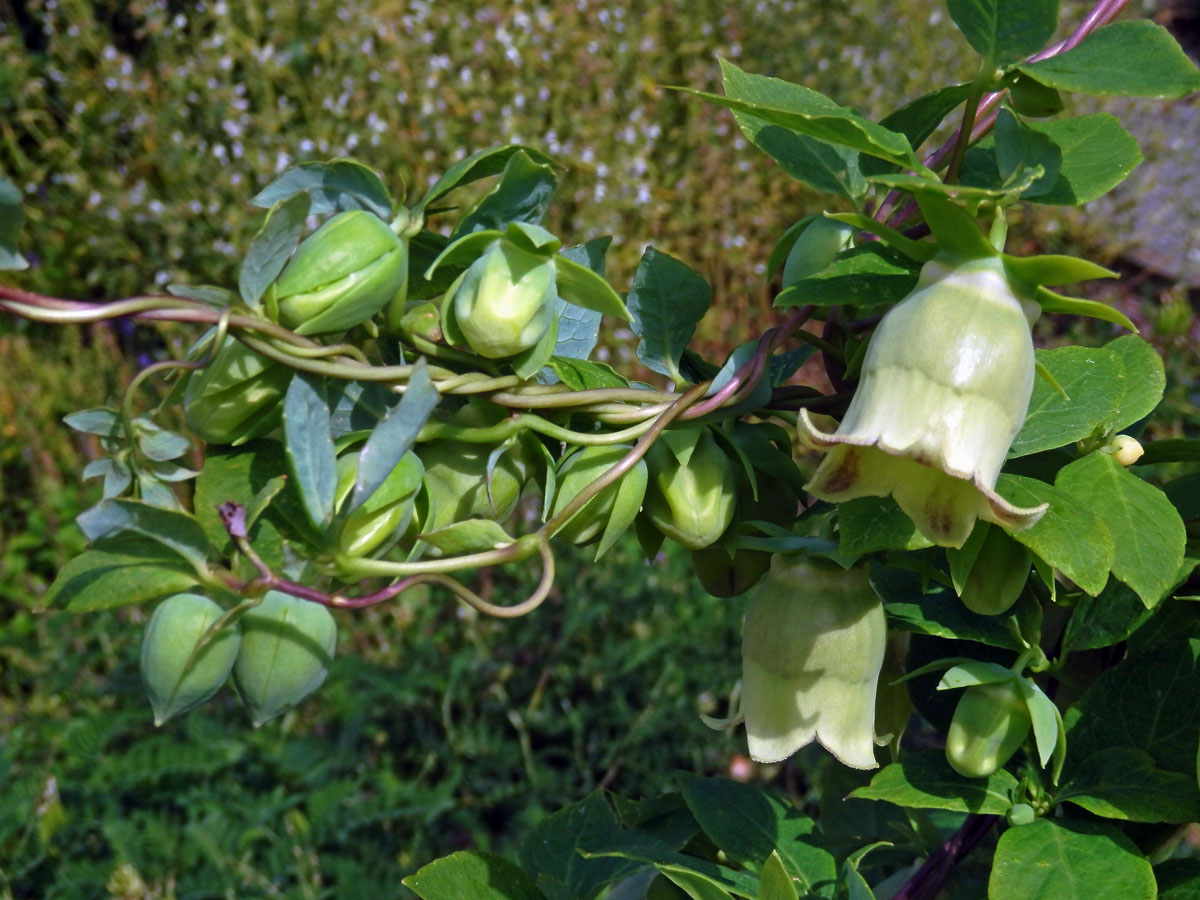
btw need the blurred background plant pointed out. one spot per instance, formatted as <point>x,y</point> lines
<point>138,132</point>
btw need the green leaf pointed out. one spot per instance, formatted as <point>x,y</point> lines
<point>749,825</point>
<point>1145,379</point>
<point>522,194</point>
<point>1004,30</point>
<point>1171,450</point>
<point>1184,493</point>
<point>825,167</point>
<point>1029,98</point>
<point>1070,536</point>
<point>103,421</point>
<point>469,536</point>
<point>1068,860</point>
<point>918,119</point>
<point>470,874</point>
<point>394,435</point>
<point>694,886</point>
<point>924,780</point>
<point>876,523</point>
<point>775,883</point>
<point>1124,783</point>
<point>12,218</point>
<point>667,299</point>
<point>934,609</point>
<point>1147,532</point>
<point>550,847</point>
<point>643,847</point>
<point>980,180</point>
<point>179,532</point>
<point>308,442</point>
<point>159,444</point>
<point>955,229</point>
<point>1125,59</point>
<point>481,164</point>
<point>271,248</point>
<point>579,327</point>
<point>580,286</point>
<point>119,571</point>
<point>866,276</point>
<point>1019,148</point>
<point>1178,879</point>
<point>529,362</point>
<point>334,186</point>
<point>356,405</point>
<point>1097,155</point>
<point>812,114</point>
<point>1148,702</point>
<point>1104,620</point>
<point>584,375</point>
<point>1095,382</point>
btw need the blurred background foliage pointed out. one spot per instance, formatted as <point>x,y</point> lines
<point>139,130</point>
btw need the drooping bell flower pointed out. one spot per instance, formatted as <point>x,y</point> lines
<point>812,647</point>
<point>946,382</point>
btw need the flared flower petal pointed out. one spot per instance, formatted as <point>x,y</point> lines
<point>812,649</point>
<point>945,387</point>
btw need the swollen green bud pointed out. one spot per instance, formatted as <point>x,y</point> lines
<point>989,724</point>
<point>457,483</point>
<point>692,492</point>
<point>816,248</point>
<point>812,649</point>
<point>287,646</point>
<point>998,574</point>
<point>344,273</point>
<point>171,638</point>
<point>504,302</point>
<point>386,513</point>
<point>236,397</point>
<point>612,510</point>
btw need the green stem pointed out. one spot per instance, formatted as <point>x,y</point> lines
<point>986,68</point>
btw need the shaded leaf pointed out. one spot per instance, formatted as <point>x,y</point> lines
<point>924,780</point>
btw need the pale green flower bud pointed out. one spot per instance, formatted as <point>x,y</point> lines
<point>344,273</point>
<point>946,382</point>
<point>236,397</point>
<point>504,302</point>
<point>812,648</point>
<point>692,493</point>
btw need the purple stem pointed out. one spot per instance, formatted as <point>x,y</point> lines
<point>927,880</point>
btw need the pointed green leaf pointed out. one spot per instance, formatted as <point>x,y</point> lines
<point>1145,379</point>
<point>866,276</point>
<point>103,421</point>
<point>955,229</point>
<point>1070,536</point>
<point>1004,30</point>
<point>974,672</point>
<point>1126,59</point>
<point>579,327</point>
<point>119,571</point>
<point>1104,620</point>
<point>308,442</point>
<point>394,435</point>
<point>924,780</point>
<point>463,251</point>
<point>749,825</point>
<point>529,362</point>
<point>581,286</point>
<point>333,186</point>
<point>1148,534</point>
<point>696,887</point>
<point>918,119</point>
<point>868,524</point>
<point>1051,269</point>
<point>825,167</point>
<point>1097,155</point>
<point>550,847</point>
<point>1030,98</point>
<point>666,301</point>
<point>775,883</point>
<point>177,531</point>
<point>584,375</point>
<point>921,251</point>
<point>1044,716</point>
<point>522,194</point>
<point>481,164</point>
<point>272,247</point>
<point>1124,783</point>
<point>812,114</point>
<point>1095,383</point>
<point>470,874</point>
<point>1019,149</point>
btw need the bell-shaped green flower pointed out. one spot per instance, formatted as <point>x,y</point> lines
<point>344,273</point>
<point>504,303</point>
<point>692,493</point>
<point>945,386</point>
<point>813,645</point>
